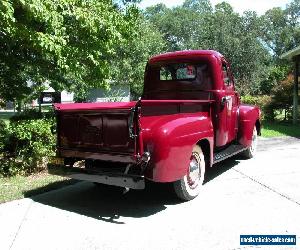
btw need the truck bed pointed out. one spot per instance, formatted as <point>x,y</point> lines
<point>105,131</point>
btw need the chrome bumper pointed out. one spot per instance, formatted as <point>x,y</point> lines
<point>128,181</point>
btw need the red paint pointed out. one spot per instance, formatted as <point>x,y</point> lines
<point>170,140</point>
<point>170,119</point>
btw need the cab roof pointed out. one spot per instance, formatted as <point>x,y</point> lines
<point>184,54</point>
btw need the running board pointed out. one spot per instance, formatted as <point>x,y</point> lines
<point>228,152</point>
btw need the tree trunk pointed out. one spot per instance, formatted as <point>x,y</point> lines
<point>285,114</point>
<point>19,106</point>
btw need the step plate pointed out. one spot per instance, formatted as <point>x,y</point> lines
<point>228,152</point>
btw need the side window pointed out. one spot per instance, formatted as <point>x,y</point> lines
<point>165,74</point>
<point>226,75</point>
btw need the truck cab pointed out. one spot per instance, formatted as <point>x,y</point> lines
<point>188,118</point>
<point>209,77</point>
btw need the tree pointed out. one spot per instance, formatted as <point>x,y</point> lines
<point>128,64</point>
<point>69,42</point>
<point>281,29</point>
<point>276,74</point>
<point>180,26</point>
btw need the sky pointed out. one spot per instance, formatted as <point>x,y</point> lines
<point>260,6</point>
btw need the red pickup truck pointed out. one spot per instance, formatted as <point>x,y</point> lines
<point>188,118</point>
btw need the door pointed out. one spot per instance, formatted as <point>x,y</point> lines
<point>231,103</point>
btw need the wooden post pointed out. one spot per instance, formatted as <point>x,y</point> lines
<point>295,100</point>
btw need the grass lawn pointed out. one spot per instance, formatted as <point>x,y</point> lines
<point>275,129</point>
<point>20,186</point>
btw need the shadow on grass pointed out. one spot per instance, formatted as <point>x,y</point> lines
<point>109,204</point>
<point>50,187</point>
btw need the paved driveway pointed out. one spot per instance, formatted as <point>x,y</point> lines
<point>258,196</point>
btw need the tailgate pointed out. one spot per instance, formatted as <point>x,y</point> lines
<point>97,131</point>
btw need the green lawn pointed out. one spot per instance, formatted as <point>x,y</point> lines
<point>20,186</point>
<point>276,129</point>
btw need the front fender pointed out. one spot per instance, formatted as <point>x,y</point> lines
<point>169,139</point>
<point>248,118</point>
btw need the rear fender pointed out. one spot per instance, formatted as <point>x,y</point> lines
<point>249,116</point>
<point>170,139</point>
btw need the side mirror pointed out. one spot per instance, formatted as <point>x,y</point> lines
<point>225,99</point>
<point>227,81</point>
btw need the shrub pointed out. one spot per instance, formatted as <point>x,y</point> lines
<point>31,114</point>
<point>3,135</point>
<point>282,96</point>
<point>281,100</point>
<point>27,146</point>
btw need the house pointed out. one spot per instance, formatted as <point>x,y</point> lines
<point>294,56</point>
<point>116,93</point>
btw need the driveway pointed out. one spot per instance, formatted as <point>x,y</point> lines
<point>257,196</point>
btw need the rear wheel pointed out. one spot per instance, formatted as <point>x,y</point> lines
<point>251,151</point>
<point>188,187</point>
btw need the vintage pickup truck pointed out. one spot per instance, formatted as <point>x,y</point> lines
<point>188,118</point>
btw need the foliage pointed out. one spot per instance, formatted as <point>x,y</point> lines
<point>282,95</point>
<point>128,64</point>
<point>3,135</point>
<point>27,145</point>
<point>256,100</point>
<point>32,114</point>
<point>280,29</point>
<point>183,27</point>
<point>281,98</point>
<point>68,42</point>
<point>276,73</point>
<point>114,95</point>
<point>238,42</point>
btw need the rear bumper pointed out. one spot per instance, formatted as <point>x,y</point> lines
<point>128,181</point>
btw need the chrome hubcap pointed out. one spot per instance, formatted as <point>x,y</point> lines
<point>194,172</point>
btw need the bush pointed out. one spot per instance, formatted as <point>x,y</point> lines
<point>27,146</point>
<point>3,135</point>
<point>282,96</point>
<point>32,114</point>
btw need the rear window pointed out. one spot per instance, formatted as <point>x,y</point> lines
<point>175,72</point>
<point>178,80</point>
